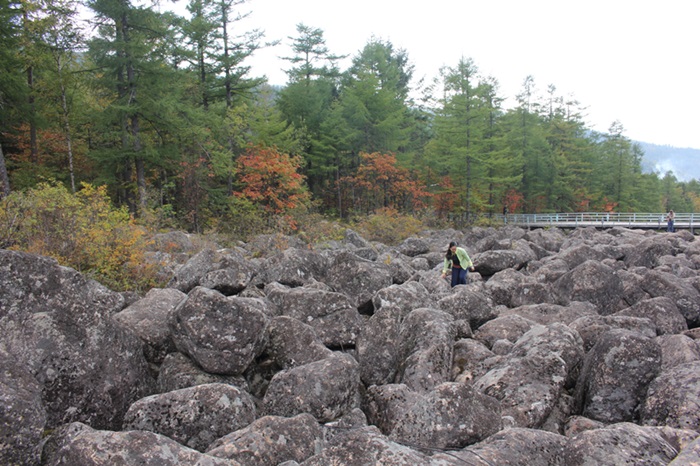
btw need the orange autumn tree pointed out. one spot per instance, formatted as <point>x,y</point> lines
<point>380,183</point>
<point>271,180</point>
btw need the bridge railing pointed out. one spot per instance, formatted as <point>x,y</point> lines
<point>602,219</point>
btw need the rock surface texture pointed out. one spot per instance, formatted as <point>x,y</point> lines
<point>564,348</point>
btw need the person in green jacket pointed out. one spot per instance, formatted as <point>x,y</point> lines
<point>458,260</point>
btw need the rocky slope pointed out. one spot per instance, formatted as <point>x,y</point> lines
<point>563,349</point>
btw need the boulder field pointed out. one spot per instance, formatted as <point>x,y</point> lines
<point>564,348</point>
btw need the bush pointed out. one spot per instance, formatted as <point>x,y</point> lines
<point>388,226</point>
<point>83,231</point>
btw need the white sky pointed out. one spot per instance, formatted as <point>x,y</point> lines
<point>635,61</point>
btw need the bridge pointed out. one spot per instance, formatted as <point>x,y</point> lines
<point>656,221</point>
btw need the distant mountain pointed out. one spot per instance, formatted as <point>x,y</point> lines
<point>683,162</point>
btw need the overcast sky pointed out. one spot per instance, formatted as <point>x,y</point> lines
<point>635,61</point>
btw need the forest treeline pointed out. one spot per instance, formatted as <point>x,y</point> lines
<point>162,112</point>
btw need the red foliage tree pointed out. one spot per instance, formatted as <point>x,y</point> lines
<point>271,179</point>
<point>380,183</point>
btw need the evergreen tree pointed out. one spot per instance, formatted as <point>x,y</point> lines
<point>371,114</point>
<point>619,168</point>
<point>130,51</point>
<point>306,102</point>
<point>462,126</point>
<point>11,89</point>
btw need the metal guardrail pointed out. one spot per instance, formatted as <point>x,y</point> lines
<point>601,220</point>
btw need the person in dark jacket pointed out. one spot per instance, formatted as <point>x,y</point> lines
<point>458,260</point>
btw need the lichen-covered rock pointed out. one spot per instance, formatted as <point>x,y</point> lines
<point>594,282</point>
<point>453,415</point>
<point>222,334</point>
<point>512,289</point>
<point>366,446</point>
<point>673,397</point>
<point>470,360</point>
<point>615,376</point>
<point>548,313</point>
<point>148,318</point>
<point>510,447</point>
<point>510,327</point>
<point>662,311</point>
<point>271,440</point>
<point>293,343</point>
<point>332,315</point>
<point>677,350</point>
<point>188,275</point>
<point>326,389</point>
<point>470,303</point>
<point>531,379</point>
<point>194,416</point>
<point>622,443</point>
<point>295,267</point>
<point>22,416</point>
<point>357,278</point>
<point>592,327</point>
<point>683,294</point>
<point>406,296</point>
<point>178,371</point>
<point>84,446</point>
<point>379,345</point>
<point>427,336</point>
<point>57,324</point>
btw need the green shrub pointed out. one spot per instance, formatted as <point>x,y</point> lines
<point>83,231</point>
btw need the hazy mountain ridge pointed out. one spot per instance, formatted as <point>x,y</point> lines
<point>683,162</point>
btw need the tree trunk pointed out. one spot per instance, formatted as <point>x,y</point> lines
<point>4,179</point>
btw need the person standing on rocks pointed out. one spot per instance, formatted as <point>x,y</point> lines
<point>458,260</point>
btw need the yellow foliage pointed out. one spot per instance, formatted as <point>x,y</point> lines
<point>83,231</point>
<point>388,226</point>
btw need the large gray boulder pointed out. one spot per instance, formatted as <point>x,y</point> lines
<point>149,317</point>
<point>79,444</point>
<point>407,296</point>
<point>594,282</point>
<point>222,334</point>
<point>662,311</point>
<point>332,315</point>
<point>295,267</point>
<point>472,304</point>
<point>194,416</point>
<point>22,413</point>
<point>592,327</point>
<point>357,278</point>
<point>326,389</point>
<point>427,336</point>
<point>188,275</point>
<point>453,415</point>
<point>293,343</point>
<point>615,375</point>
<point>178,371</point>
<point>511,446</point>
<point>622,443</point>
<point>677,350</point>
<point>271,440</point>
<point>366,446</point>
<point>511,288</point>
<point>379,345</point>
<point>673,397</point>
<point>57,325</point>
<point>682,293</point>
<point>532,378</point>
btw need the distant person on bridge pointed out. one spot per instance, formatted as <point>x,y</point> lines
<point>669,219</point>
<point>458,260</point>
